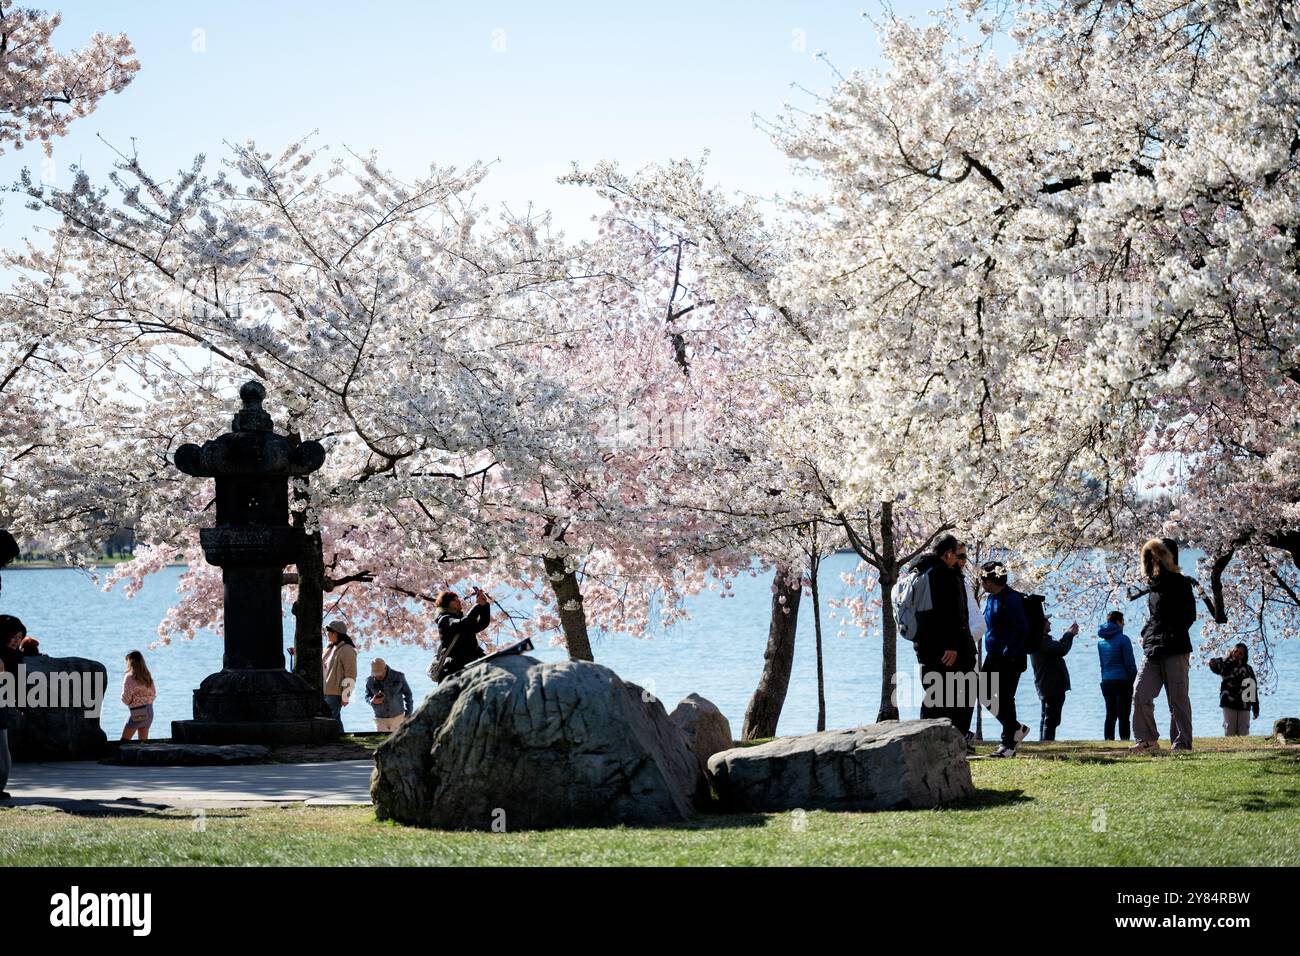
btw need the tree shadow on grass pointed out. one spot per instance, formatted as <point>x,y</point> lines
<point>1082,757</point>
<point>980,799</point>
<point>1256,801</point>
<point>124,807</point>
<point>987,799</point>
<point>715,818</point>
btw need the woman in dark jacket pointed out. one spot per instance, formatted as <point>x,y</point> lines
<point>1238,691</point>
<point>8,552</point>
<point>457,630</point>
<point>11,631</point>
<point>1167,649</point>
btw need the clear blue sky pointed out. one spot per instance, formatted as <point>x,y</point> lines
<point>535,85</point>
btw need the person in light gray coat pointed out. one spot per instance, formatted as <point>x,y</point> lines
<point>388,693</point>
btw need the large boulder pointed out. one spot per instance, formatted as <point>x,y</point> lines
<point>57,717</point>
<point>706,730</point>
<point>515,744</point>
<point>913,763</point>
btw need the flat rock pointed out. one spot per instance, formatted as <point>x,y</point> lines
<point>515,744</point>
<point>190,755</point>
<point>914,763</point>
<point>706,730</point>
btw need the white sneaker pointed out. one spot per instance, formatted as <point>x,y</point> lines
<point>1022,733</point>
<point>1003,752</point>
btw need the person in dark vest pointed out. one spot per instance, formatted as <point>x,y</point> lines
<point>1238,691</point>
<point>388,693</point>
<point>1005,632</point>
<point>1052,678</point>
<point>1166,650</point>
<point>457,630</point>
<point>944,646</point>
<point>1118,670</point>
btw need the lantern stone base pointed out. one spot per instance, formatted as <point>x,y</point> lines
<point>315,730</point>
<point>256,706</point>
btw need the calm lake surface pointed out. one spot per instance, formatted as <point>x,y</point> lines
<point>717,653</point>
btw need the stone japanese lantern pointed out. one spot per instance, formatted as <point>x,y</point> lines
<point>253,699</point>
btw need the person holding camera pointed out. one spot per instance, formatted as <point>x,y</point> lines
<point>1052,677</point>
<point>457,644</point>
<point>388,693</point>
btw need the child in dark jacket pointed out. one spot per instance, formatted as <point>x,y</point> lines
<point>1238,692</point>
<point>1118,671</point>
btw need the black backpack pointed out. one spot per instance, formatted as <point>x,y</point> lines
<point>1036,616</point>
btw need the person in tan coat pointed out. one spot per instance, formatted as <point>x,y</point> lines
<point>339,662</point>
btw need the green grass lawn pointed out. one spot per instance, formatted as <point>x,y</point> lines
<point>1074,804</point>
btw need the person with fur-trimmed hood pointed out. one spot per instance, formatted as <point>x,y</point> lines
<point>1167,649</point>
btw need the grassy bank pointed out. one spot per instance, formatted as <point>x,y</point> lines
<point>1073,804</point>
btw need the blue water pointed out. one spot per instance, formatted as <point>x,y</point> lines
<point>717,653</point>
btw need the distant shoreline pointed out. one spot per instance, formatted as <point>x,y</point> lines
<point>60,565</point>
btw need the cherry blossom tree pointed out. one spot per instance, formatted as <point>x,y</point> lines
<point>384,318</point>
<point>1043,267</point>
<point>43,91</point>
<point>471,383</point>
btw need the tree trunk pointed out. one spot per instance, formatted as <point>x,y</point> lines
<point>309,607</point>
<point>888,627</point>
<point>568,599</point>
<point>814,568</point>
<point>769,697</point>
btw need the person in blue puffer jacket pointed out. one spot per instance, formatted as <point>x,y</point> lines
<point>1118,671</point>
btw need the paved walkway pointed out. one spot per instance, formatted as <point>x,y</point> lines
<point>88,786</point>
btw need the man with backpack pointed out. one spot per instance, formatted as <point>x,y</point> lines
<point>1006,633</point>
<point>933,613</point>
<point>1052,677</point>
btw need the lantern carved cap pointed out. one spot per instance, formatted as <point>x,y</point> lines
<point>252,417</point>
<point>252,448</point>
